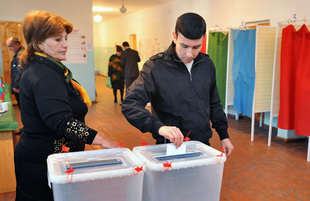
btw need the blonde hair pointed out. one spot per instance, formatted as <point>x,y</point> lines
<point>37,27</point>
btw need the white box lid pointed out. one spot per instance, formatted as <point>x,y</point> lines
<point>91,165</point>
<point>197,154</point>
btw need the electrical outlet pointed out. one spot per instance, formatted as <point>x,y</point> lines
<point>294,17</point>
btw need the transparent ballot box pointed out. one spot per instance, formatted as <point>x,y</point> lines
<point>103,175</point>
<point>195,175</point>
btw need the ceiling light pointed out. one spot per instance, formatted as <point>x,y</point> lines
<point>98,18</point>
<point>102,9</point>
<point>123,9</point>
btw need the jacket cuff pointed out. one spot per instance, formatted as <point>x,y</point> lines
<point>78,132</point>
<point>155,127</point>
<point>223,134</point>
<point>91,137</point>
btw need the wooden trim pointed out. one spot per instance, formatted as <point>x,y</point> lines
<point>7,171</point>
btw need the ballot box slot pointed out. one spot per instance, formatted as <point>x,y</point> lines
<point>88,164</point>
<point>178,156</point>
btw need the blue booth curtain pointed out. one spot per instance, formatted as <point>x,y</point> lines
<point>244,70</point>
<point>217,50</point>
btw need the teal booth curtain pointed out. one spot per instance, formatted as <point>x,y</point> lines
<point>217,50</point>
<point>244,70</point>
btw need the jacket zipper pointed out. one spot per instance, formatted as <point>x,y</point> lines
<point>190,74</point>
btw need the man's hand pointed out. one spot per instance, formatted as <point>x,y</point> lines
<point>227,146</point>
<point>16,90</point>
<point>173,134</point>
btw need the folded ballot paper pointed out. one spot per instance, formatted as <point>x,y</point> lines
<point>172,150</point>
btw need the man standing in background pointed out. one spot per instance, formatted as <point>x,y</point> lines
<point>15,46</point>
<point>129,60</point>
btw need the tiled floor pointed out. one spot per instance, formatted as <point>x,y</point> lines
<point>253,172</point>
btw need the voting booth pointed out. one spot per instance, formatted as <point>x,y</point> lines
<point>109,174</point>
<point>195,174</point>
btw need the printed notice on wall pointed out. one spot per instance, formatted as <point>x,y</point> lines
<point>76,48</point>
<point>148,48</point>
<point>89,46</point>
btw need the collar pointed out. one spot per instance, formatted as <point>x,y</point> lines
<point>19,49</point>
<point>171,51</point>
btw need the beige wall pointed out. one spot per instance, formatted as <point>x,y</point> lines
<point>158,22</point>
<point>78,12</point>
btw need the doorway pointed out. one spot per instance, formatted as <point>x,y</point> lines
<point>133,41</point>
<point>7,30</point>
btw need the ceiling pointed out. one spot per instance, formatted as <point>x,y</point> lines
<point>112,7</point>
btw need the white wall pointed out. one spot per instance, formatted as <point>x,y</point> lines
<point>78,12</point>
<point>158,22</point>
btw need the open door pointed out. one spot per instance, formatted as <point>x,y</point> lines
<point>133,41</point>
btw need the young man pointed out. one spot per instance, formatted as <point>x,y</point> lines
<point>181,85</point>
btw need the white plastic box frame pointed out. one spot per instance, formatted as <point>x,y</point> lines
<point>113,180</point>
<point>195,178</point>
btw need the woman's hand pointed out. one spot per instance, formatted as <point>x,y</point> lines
<point>104,142</point>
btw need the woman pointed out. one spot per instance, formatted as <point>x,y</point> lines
<point>53,105</point>
<point>116,72</point>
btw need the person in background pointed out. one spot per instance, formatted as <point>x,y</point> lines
<point>129,61</point>
<point>116,72</point>
<point>180,83</point>
<point>53,105</point>
<point>15,46</point>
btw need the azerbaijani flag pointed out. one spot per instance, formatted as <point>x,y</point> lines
<point>2,96</point>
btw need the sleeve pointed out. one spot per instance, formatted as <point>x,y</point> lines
<point>123,59</point>
<point>217,115</point>
<point>138,57</point>
<point>110,66</point>
<point>78,132</point>
<point>18,76</point>
<point>52,100</point>
<point>133,107</point>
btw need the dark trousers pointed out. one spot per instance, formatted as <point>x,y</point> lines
<point>121,93</point>
<point>17,98</point>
